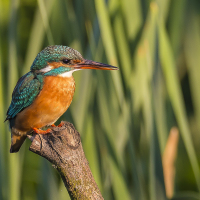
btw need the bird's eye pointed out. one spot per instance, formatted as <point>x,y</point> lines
<point>66,61</point>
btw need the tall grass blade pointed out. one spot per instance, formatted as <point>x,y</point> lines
<point>108,42</point>
<point>89,146</point>
<point>176,97</point>
<point>132,12</point>
<point>119,184</point>
<point>45,20</point>
<point>14,162</point>
<point>36,38</point>
<point>192,50</point>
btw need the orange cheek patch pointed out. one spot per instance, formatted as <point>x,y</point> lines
<point>55,64</point>
<point>76,61</point>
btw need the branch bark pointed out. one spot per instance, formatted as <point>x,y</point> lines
<point>64,150</point>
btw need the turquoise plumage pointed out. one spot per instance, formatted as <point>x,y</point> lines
<point>26,90</point>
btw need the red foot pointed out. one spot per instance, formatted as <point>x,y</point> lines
<point>39,131</point>
<point>53,125</point>
<point>61,124</point>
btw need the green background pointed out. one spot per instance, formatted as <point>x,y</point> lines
<point>124,116</point>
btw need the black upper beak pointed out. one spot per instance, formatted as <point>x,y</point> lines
<point>89,64</point>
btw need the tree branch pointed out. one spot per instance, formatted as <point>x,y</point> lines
<point>64,150</point>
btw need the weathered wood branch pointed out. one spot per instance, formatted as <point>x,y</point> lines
<point>64,150</point>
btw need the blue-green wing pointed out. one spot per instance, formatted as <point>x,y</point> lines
<point>26,90</point>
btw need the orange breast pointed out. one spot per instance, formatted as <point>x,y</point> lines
<point>53,100</point>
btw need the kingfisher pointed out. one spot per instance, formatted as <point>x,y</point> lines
<point>42,95</point>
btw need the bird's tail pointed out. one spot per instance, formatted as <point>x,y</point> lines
<point>17,139</point>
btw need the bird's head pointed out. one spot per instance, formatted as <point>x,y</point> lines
<point>63,61</point>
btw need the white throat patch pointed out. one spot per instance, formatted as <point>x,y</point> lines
<point>46,69</point>
<point>68,74</point>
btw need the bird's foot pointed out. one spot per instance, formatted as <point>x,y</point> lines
<point>39,131</point>
<point>61,124</point>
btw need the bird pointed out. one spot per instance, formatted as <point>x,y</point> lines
<point>44,94</point>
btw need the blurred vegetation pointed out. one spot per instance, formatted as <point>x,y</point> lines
<point>125,117</point>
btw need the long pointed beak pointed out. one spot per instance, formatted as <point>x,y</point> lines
<point>89,64</point>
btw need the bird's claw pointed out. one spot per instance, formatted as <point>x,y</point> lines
<point>61,124</point>
<point>39,131</point>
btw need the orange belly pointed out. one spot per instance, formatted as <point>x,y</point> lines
<point>53,100</point>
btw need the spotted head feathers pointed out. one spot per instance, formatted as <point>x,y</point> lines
<point>56,53</point>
